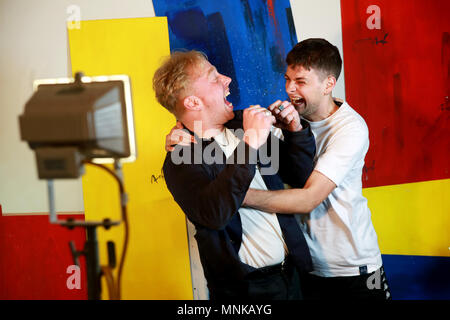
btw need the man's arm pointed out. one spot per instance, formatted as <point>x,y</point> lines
<point>211,200</point>
<point>316,190</point>
<point>345,151</point>
<point>296,156</point>
<point>297,149</point>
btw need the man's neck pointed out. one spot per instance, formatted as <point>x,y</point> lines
<point>202,130</point>
<point>324,111</point>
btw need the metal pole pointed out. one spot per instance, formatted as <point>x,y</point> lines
<point>92,264</point>
<point>118,169</point>
<point>51,201</point>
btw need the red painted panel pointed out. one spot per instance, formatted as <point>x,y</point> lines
<point>34,256</point>
<point>398,79</point>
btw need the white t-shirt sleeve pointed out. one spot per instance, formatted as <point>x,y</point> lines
<point>346,149</point>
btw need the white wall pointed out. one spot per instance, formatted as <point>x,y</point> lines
<point>33,45</point>
<point>320,19</point>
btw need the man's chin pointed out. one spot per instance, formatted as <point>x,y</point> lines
<point>229,109</point>
<point>301,108</point>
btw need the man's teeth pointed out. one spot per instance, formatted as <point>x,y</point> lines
<point>227,94</point>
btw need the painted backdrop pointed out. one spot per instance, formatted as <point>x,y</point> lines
<point>246,40</point>
<point>398,78</point>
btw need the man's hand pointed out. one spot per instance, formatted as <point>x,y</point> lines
<point>257,124</point>
<point>286,115</point>
<point>178,135</point>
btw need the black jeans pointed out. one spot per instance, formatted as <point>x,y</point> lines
<point>371,286</point>
<point>268,283</point>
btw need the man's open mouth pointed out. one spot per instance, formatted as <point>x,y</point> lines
<point>228,103</point>
<point>297,100</point>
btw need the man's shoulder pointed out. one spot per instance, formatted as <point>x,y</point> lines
<point>352,112</point>
<point>350,119</point>
<point>182,155</point>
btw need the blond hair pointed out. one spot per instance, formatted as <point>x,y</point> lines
<point>171,79</point>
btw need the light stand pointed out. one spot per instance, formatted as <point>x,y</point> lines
<point>90,250</point>
<point>67,120</point>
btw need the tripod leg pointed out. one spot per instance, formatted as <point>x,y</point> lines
<point>75,253</point>
<point>92,263</point>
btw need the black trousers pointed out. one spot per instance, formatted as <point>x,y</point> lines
<point>371,286</point>
<point>280,282</point>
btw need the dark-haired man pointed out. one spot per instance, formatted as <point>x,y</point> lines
<point>333,213</point>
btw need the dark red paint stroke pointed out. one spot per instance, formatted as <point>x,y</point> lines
<point>446,66</point>
<point>278,36</point>
<point>399,87</point>
<point>398,111</point>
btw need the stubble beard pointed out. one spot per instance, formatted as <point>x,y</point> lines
<point>306,110</point>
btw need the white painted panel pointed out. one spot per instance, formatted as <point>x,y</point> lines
<point>199,286</point>
<point>320,19</point>
<point>33,45</point>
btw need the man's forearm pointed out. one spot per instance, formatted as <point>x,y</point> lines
<point>296,156</point>
<point>305,200</point>
<point>290,201</point>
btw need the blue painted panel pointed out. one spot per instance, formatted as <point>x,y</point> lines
<point>418,277</point>
<point>246,40</point>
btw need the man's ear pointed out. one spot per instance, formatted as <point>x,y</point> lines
<point>192,103</point>
<point>330,83</point>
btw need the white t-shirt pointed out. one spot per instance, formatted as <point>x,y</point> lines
<point>262,240</point>
<point>339,232</point>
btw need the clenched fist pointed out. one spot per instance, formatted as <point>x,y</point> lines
<point>286,115</point>
<point>257,124</point>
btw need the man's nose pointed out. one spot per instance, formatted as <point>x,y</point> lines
<point>226,80</point>
<point>290,86</point>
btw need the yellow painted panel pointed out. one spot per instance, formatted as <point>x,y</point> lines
<point>157,264</point>
<point>412,218</point>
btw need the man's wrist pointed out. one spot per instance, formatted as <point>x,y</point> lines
<point>299,127</point>
<point>245,154</point>
<point>251,141</point>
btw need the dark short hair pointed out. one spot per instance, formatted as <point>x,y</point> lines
<point>318,54</point>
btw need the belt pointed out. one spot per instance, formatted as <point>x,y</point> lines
<point>279,268</point>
